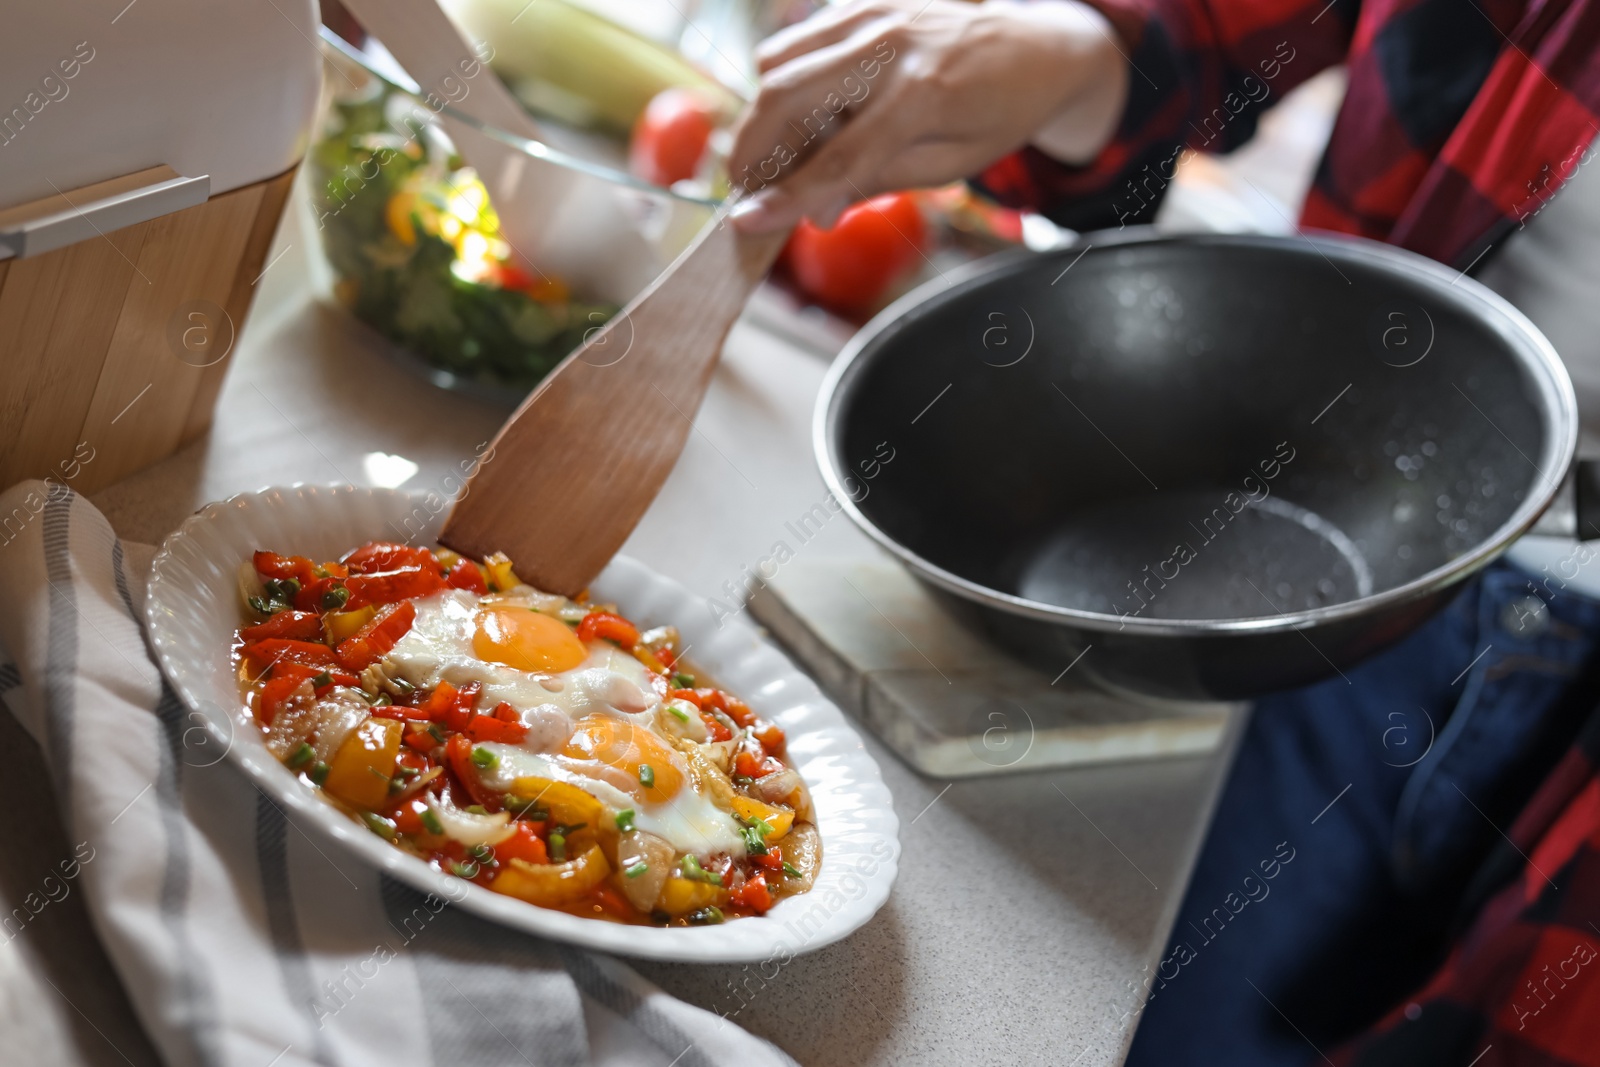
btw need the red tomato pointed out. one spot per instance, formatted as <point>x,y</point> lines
<point>671,136</point>
<point>603,624</point>
<point>873,245</point>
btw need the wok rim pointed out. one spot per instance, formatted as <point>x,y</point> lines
<point>1560,417</point>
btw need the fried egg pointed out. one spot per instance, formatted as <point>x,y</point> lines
<point>588,706</point>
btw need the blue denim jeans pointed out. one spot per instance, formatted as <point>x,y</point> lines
<point>1334,873</point>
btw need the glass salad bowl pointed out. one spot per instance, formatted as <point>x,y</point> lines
<point>417,250</point>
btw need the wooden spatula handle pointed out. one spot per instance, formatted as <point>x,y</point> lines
<point>568,477</point>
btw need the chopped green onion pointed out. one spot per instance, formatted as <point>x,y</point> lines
<point>558,847</point>
<point>637,869</point>
<point>382,700</point>
<point>625,820</point>
<point>279,596</point>
<point>647,775</point>
<point>683,681</point>
<point>431,823</point>
<point>302,756</point>
<point>335,598</point>
<point>481,853</point>
<point>378,825</point>
<point>319,773</point>
<point>468,870</point>
<point>754,841</point>
<point>321,680</point>
<point>477,809</point>
<point>708,916</point>
<point>522,806</point>
<point>484,759</point>
<point>791,870</point>
<point>690,866</point>
<point>683,716</point>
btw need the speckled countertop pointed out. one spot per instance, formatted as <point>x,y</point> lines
<point>1026,906</point>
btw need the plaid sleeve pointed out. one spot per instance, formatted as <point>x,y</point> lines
<point>1200,74</point>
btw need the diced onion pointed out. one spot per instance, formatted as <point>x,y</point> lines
<point>470,828</point>
<point>778,787</point>
<point>338,713</point>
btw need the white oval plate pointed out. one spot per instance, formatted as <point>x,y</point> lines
<point>193,611</point>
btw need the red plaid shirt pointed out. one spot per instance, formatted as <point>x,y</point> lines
<point>1522,984</point>
<point>1461,120</point>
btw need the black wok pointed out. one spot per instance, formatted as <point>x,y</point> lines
<point>1223,465</point>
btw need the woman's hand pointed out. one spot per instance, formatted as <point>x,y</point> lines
<point>895,94</point>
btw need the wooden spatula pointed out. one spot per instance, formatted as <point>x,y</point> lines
<point>567,479</point>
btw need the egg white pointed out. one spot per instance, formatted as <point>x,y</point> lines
<point>438,648</point>
<point>688,821</point>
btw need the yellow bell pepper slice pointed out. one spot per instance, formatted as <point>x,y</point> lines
<point>360,772</point>
<point>338,625</point>
<point>567,804</point>
<point>501,576</point>
<point>750,809</point>
<point>550,885</point>
<point>680,896</point>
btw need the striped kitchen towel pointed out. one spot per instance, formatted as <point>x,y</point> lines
<point>240,940</point>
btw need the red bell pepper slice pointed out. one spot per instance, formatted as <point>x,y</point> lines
<point>284,568</point>
<point>754,894</point>
<point>275,692</point>
<point>750,765</point>
<point>771,859</point>
<point>309,598</point>
<point>374,640</point>
<point>388,587</point>
<point>458,753</point>
<point>466,575</point>
<point>489,728</point>
<point>417,737</point>
<point>715,727</point>
<point>299,625</point>
<point>737,709</point>
<point>526,845</point>
<point>599,625</point>
<point>287,650</point>
<point>770,734</point>
<point>377,556</point>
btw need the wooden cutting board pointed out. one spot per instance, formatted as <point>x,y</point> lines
<point>945,700</point>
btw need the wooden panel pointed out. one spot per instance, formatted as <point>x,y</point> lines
<point>142,401</point>
<point>275,192</point>
<point>58,313</point>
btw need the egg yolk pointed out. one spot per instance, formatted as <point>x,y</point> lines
<point>621,744</point>
<point>526,640</point>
